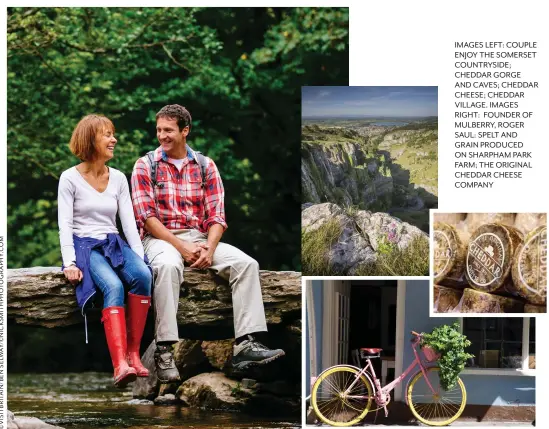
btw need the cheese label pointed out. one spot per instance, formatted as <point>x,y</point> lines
<point>442,252</point>
<point>485,258</point>
<point>532,263</point>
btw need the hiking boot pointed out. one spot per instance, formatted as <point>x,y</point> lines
<point>251,352</point>
<point>166,371</point>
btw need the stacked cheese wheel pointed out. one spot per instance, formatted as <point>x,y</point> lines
<point>490,263</point>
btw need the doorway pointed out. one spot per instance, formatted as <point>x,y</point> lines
<point>373,324</point>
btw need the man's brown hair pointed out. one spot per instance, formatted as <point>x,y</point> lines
<point>177,112</point>
<point>82,142</point>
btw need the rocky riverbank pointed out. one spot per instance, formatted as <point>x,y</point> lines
<point>41,297</point>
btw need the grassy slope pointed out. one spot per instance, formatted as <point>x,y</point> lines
<point>314,246</point>
<point>413,261</point>
<point>423,169</point>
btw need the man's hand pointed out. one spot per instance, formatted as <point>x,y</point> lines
<point>205,259</point>
<point>73,274</point>
<point>190,251</point>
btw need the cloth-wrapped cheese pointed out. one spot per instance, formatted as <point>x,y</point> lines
<point>490,256</point>
<point>449,256</point>
<point>529,308</point>
<point>463,231</point>
<point>479,302</point>
<point>530,267</point>
<point>475,220</point>
<point>446,299</point>
<point>449,218</point>
<point>526,222</point>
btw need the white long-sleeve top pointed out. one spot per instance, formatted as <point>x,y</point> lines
<point>86,212</point>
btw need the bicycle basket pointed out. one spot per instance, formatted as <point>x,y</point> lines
<point>430,354</point>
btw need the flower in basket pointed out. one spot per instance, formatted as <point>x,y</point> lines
<point>450,344</point>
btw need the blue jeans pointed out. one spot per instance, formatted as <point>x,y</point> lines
<point>134,274</point>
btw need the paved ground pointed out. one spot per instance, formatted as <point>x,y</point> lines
<point>455,424</point>
<point>399,419</point>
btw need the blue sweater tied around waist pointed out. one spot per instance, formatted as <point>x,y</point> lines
<point>111,248</point>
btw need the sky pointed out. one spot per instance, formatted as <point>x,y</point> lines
<point>362,101</point>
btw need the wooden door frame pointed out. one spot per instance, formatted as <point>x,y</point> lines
<point>328,333</point>
<point>400,335</point>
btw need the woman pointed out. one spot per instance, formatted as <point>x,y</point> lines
<point>94,255</point>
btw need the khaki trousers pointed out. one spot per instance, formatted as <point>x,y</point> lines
<point>230,263</point>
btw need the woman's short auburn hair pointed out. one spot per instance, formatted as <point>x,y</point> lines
<point>82,142</point>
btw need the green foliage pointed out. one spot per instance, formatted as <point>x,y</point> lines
<point>451,344</point>
<point>351,211</point>
<point>430,123</point>
<point>391,261</point>
<point>381,204</point>
<point>385,247</point>
<point>239,71</point>
<point>315,246</point>
<point>339,195</point>
<point>236,391</point>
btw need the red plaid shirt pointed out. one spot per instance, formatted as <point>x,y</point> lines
<point>180,203</point>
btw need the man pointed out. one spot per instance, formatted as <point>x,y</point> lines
<point>183,215</point>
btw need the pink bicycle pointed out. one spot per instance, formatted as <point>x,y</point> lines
<point>342,395</point>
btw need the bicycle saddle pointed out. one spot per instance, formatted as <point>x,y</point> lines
<point>370,351</point>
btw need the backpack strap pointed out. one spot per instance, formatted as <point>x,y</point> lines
<point>154,164</point>
<point>201,159</point>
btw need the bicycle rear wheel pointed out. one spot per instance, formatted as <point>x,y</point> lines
<point>436,406</point>
<point>330,402</point>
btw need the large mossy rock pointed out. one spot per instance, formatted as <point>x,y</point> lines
<point>214,391</point>
<point>218,392</point>
<point>189,359</point>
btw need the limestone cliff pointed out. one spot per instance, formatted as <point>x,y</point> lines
<point>344,173</point>
<point>384,169</point>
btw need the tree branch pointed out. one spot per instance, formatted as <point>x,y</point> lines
<point>34,161</point>
<point>55,72</point>
<point>169,54</point>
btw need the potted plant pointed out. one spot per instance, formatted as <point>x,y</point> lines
<point>450,344</point>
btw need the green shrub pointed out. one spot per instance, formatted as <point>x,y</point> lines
<point>451,344</point>
<point>385,247</point>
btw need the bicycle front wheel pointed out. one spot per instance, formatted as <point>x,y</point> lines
<point>435,406</point>
<point>340,397</point>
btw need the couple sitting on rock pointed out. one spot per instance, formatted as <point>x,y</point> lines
<point>178,203</point>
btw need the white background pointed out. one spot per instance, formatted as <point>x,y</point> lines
<point>412,43</point>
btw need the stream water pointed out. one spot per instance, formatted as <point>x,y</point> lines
<point>88,400</point>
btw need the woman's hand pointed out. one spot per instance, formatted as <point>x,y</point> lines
<point>73,274</point>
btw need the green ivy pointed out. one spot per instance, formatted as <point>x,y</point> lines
<point>451,344</point>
